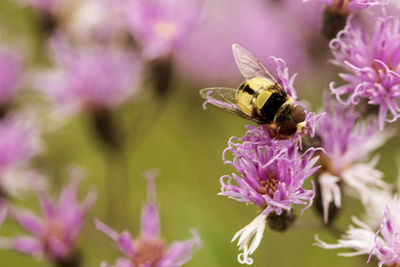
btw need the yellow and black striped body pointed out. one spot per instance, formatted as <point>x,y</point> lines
<point>259,98</point>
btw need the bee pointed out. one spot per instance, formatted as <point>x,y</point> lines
<point>260,98</point>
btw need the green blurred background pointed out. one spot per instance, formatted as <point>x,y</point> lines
<point>185,143</point>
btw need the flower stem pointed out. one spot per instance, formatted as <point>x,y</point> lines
<point>118,190</point>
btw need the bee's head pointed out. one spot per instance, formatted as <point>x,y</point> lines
<point>298,114</point>
<point>289,126</point>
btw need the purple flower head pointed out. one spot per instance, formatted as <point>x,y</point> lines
<point>364,240</point>
<point>160,26</point>
<point>149,249</point>
<point>271,176</point>
<point>272,172</point>
<point>19,140</point>
<point>251,68</point>
<point>387,247</point>
<point>347,143</point>
<point>349,5</point>
<point>10,72</point>
<point>90,78</point>
<point>53,234</point>
<point>372,59</point>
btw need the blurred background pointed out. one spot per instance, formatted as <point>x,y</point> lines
<point>161,119</point>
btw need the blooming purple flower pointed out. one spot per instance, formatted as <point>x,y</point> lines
<point>272,174</point>
<point>363,239</point>
<point>349,5</point>
<point>54,235</point>
<point>347,142</point>
<point>372,59</point>
<point>149,249</point>
<point>90,78</point>
<point>10,72</point>
<point>160,26</point>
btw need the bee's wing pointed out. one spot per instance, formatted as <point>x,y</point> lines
<point>249,65</point>
<point>224,98</point>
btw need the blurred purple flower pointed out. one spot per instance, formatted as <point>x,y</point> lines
<point>10,72</point>
<point>373,60</point>
<point>54,235</point>
<point>90,78</point>
<point>347,143</point>
<point>365,240</point>
<point>207,57</point>
<point>160,26</point>
<point>19,140</point>
<point>272,173</point>
<point>149,249</point>
<point>349,5</point>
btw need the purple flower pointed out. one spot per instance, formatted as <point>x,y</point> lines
<point>19,140</point>
<point>349,5</point>
<point>160,26</point>
<point>272,172</point>
<point>197,58</point>
<point>372,60</point>
<point>271,176</point>
<point>347,143</point>
<point>54,234</point>
<point>149,249</point>
<point>364,240</point>
<point>90,78</point>
<point>10,72</point>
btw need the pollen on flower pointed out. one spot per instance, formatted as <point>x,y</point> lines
<point>148,250</point>
<point>55,229</point>
<point>166,29</point>
<point>268,186</point>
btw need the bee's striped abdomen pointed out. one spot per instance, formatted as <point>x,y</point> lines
<point>271,107</point>
<point>245,98</point>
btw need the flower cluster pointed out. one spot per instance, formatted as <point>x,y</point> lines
<point>347,143</point>
<point>54,235</point>
<point>149,249</point>
<point>373,63</point>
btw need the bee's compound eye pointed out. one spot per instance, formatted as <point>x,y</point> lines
<point>298,114</point>
<point>288,128</point>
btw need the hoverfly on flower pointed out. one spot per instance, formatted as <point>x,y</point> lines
<point>261,98</point>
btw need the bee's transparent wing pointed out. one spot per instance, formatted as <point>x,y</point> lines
<point>249,65</point>
<point>224,98</point>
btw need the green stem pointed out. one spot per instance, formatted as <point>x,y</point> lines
<point>118,190</point>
